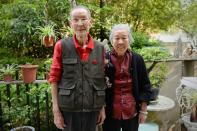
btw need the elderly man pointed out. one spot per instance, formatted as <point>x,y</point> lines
<point>129,88</point>
<point>77,77</point>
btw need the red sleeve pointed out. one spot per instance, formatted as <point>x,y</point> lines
<point>56,67</point>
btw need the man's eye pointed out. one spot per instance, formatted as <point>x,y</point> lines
<point>75,19</point>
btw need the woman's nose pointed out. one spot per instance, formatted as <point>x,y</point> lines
<point>120,41</point>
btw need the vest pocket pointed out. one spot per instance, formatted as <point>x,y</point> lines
<point>98,86</point>
<point>66,98</point>
<point>99,97</point>
<point>69,67</point>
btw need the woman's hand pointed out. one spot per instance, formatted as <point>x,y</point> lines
<point>142,117</point>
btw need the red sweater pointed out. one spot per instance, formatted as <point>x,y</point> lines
<point>56,67</point>
<point>124,103</point>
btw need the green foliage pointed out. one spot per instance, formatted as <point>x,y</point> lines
<point>19,32</point>
<point>157,71</point>
<point>47,64</point>
<point>17,114</point>
<point>158,75</point>
<point>47,30</point>
<point>148,15</point>
<point>154,53</point>
<point>142,40</point>
<point>19,22</point>
<point>20,113</point>
<point>8,69</point>
<point>57,11</point>
<point>188,20</point>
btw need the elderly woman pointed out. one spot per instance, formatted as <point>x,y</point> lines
<point>129,88</point>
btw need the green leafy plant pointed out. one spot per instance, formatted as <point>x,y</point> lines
<point>158,75</point>
<point>47,64</point>
<point>47,35</point>
<point>8,69</point>
<point>155,67</point>
<point>47,30</point>
<point>154,53</point>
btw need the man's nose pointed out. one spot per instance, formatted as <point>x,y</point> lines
<point>80,22</point>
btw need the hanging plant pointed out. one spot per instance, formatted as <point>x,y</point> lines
<point>47,35</point>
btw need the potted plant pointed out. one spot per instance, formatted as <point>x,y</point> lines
<point>47,35</point>
<point>157,77</point>
<point>28,72</point>
<point>8,71</point>
<point>156,69</point>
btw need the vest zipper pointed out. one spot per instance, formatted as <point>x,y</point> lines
<point>82,89</point>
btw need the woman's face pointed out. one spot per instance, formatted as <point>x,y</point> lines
<point>120,41</point>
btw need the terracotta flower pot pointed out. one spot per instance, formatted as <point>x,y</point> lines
<point>7,78</point>
<point>29,73</point>
<point>48,41</point>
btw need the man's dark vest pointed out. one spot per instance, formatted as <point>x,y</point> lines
<point>82,85</point>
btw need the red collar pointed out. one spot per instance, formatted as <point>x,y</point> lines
<point>90,43</point>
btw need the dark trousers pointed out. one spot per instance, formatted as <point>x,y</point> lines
<point>80,121</point>
<point>112,124</point>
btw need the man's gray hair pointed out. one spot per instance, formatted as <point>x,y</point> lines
<point>80,7</point>
<point>121,27</point>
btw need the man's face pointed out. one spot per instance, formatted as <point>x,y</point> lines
<point>80,23</point>
<point>120,41</point>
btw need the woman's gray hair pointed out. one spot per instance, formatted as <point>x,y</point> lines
<point>121,27</point>
<point>80,7</point>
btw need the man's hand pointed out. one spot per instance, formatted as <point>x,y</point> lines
<point>59,120</point>
<point>101,116</point>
